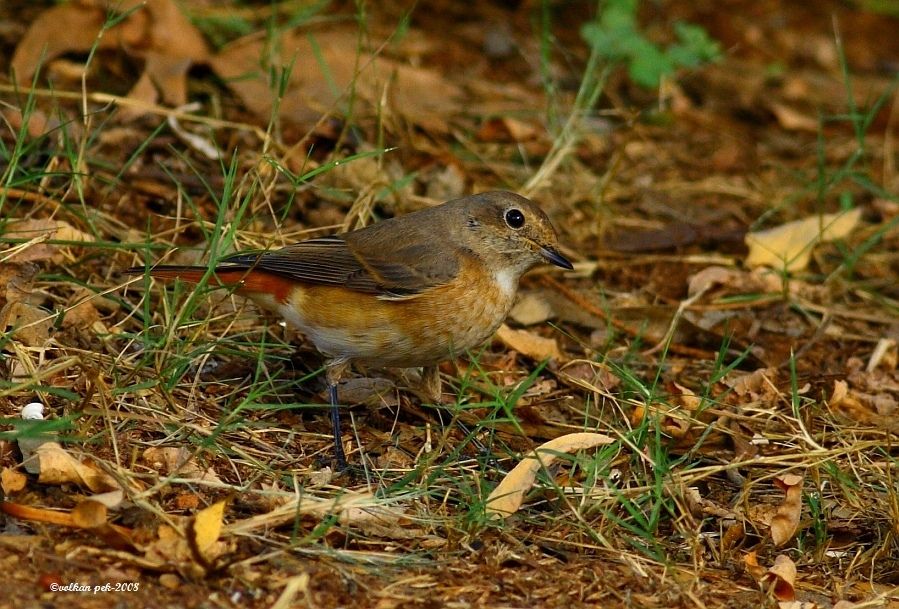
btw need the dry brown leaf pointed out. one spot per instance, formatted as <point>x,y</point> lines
<point>789,246</point>
<point>58,30</point>
<point>189,546</point>
<point>672,420</point>
<point>206,529</point>
<point>507,129</point>
<point>12,480</point>
<point>305,505</point>
<point>733,535</point>
<point>41,230</point>
<point>111,499</point>
<point>783,574</point>
<point>508,496</point>
<point>89,514</point>
<point>751,563</point>
<point>170,549</point>
<point>37,124</point>
<point>325,66</point>
<point>688,397</point>
<point>154,30</point>
<point>57,466</point>
<point>884,355</point>
<point>27,512</point>
<point>718,275</point>
<point>371,391</point>
<point>760,384</point>
<point>529,344</point>
<point>840,392</point>
<point>21,316</point>
<point>531,308</point>
<point>786,520</point>
<point>793,120</point>
<point>26,323</point>
<point>81,314</point>
<point>179,461</point>
<point>385,521</point>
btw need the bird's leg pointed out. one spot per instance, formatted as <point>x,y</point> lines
<point>430,383</point>
<point>335,371</point>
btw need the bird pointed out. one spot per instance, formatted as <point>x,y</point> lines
<point>409,291</point>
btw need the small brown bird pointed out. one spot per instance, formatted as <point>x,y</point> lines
<point>413,290</point>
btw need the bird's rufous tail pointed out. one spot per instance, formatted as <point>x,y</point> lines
<point>193,274</point>
<point>245,279</point>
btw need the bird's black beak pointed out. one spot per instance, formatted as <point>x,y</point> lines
<point>556,258</point>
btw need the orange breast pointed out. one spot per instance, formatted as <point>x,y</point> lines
<point>434,326</point>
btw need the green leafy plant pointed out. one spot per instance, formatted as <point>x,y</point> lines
<point>615,35</point>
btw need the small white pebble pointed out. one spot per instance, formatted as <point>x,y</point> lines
<point>33,411</point>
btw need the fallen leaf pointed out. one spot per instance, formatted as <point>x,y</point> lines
<point>751,563</point>
<point>786,520</point>
<point>733,535</point>
<point>385,522</point>
<point>507,129</point>
<point>21,317</point>
<point>671,419</point>
<point>840,392</point>
<point>81,313</point>
<point>27,512</point>
<point>154,30</point>
<point>884,355</point>
<point>170,550</point>
<point>529,344</point>
<point>688,397</point>
<point>306,505</point>
<point>325,65</point>
<point>12,481</point>
<point>508,496</point>
<point>711,276</point>
<point>372,391</point>
<point>783,574</point>
<point>40,230</point>
<point>531,309</point>
<point>206,529</point>
<point>111,499</point>
<point>789,246</point>
<point>26,323</point>
<point>793,120</point>
<point>89,514</point>
<point>57,466</point>
<point>179,461</point>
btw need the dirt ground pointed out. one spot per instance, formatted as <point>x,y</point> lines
<point>718,374</point>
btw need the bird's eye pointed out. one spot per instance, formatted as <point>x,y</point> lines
<point>514,218</point>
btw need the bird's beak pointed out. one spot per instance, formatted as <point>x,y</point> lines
<point>554,257</point>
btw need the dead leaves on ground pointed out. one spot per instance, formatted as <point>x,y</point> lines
<point>781,577</point>
<point>789,246</point>
<point>192,546</point>
<point>325,66</point>
<point>153,30</point>
<point>734,421</point>
<point>329,68</point>
<point>508,496</point>
<point>529,344</point>
<point>785,521</point>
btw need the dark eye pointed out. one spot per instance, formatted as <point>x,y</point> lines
<point>514,218</point>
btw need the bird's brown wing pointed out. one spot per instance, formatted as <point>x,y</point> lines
<point>371,264</point>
